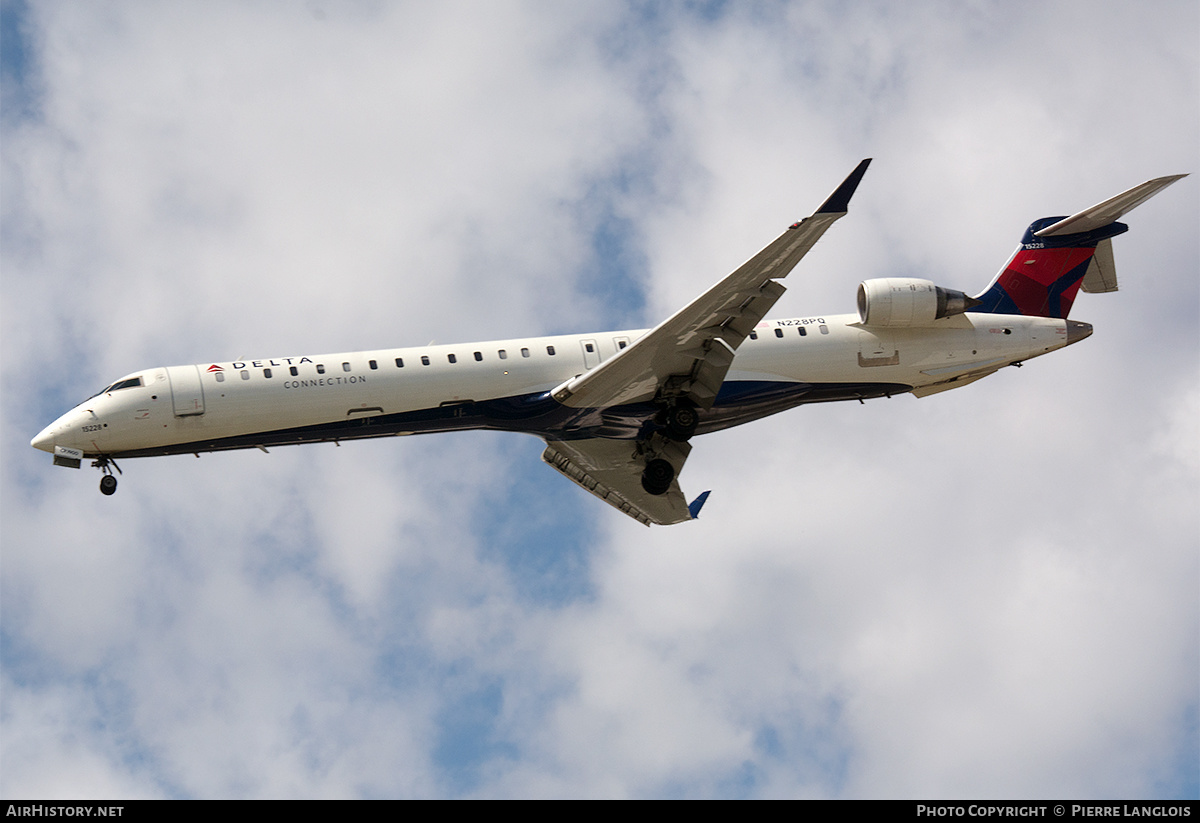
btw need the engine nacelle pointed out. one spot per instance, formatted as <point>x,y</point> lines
<point>907,301</point>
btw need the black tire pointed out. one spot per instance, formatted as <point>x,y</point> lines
<point>108,484</point>
<point>681,421</point>
<point>657,476</point>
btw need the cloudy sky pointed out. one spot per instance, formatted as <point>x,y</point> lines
<point>986,593</point>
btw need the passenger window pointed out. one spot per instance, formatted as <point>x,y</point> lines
<point>294,371</point>
<point>824,329</point>
<point>345,367</point>
<point>424,360</point>
<point>320,368</point>
<point>220,377</point>
<point>452,358</point>
<point>503,354</point>
<point>524,352</point>
<point>803,332</point>
<point>622,344</point>
<point>478,355</point>
<point>779,332</point>
<point>266,373</point>
<point>373,364</point>
<point>590,348</point>
<point>550,350</point>
<point>399,362</point>
<point>753,335</point>
<point>245,375</point>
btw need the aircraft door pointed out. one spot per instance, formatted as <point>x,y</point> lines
<point>187,393</point>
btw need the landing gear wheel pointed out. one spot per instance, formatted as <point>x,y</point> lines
<point>657,477</point>
<point>681,421</point>
<point>108,484</point>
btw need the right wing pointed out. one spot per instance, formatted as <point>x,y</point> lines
<point>688,354</point>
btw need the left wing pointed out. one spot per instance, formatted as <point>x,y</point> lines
<point>688,354</point>
<point>612,469</point>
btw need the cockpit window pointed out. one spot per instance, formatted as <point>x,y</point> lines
<point>120,384</point>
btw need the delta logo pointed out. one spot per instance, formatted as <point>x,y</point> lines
<point>215,367</point>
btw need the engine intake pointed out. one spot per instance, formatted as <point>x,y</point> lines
<point>908,301</point>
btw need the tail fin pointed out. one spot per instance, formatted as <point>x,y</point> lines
<point>1059,254</point>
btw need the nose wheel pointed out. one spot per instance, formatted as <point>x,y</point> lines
<point>108,483</point>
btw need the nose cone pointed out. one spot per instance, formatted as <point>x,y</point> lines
<point>45,439</point>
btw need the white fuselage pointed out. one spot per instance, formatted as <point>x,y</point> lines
<point>505,384</point>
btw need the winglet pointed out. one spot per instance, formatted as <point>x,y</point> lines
<point>696,505</point>
<point>839,201</point>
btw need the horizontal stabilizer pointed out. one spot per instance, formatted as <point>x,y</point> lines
<point>1101,276</point>
<point>1110,210</point>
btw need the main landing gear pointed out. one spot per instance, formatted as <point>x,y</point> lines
<point>677,422</point>
<point>680,420</point>
<point>108,483</point>
<point>657,476</point>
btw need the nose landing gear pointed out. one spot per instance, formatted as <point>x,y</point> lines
<point>108,483</point>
